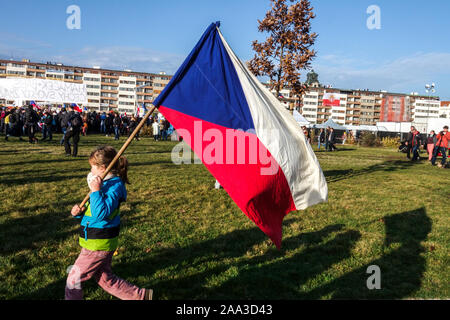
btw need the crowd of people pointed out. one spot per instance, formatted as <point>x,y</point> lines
<point>27,121</point>
<point>326,138</point>
<point>434,144</point>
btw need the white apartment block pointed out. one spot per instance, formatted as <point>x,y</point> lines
<point>107,90</point>
<point>444,110</point>
<point>422,110</point>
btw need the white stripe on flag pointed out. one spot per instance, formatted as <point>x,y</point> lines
<point>289,148</point>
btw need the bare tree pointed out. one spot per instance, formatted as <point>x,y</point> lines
<point>287,50</point>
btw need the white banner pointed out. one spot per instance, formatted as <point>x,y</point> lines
<point>42,90</point>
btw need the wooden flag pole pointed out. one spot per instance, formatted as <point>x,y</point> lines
<point>121,151</point>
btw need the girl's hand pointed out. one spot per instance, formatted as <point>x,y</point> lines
<point>76,210</point>
<point>95,184</point>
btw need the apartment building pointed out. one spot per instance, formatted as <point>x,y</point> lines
<point>444,110</point>
<point>362,107</point>
<point>353,107</point>
<point>106,89</point>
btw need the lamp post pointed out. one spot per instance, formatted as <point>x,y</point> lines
<point>429,88</point>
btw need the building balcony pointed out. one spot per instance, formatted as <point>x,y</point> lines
<point>104,76</point>
<point>109,91</point>
<point>109,98</point>
<point>109,84</point>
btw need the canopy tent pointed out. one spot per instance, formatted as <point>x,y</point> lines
<point>300,119</point>
<point>19,89</point>
<point>367,128</point>
<point>329,123</point>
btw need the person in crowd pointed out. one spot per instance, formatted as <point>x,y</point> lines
<point>125,124</point>
<point>103,123</point>
<point>109,124</point>
<point>442,143</point>
<point>7,123</point>
<point>31,121</point>
<point>161,129</point>
<point>54,126</point>
<point>63,120</point>
<point>320,139</point>
<point>47,120</point>
<point>100,227</point>
<point>306,133</point>
<point>133,126</point>
<point>344,137</point>
<point>85,126</point>
<point>117,122</point>
<point>74,123</point>
<point>156,132</point>
<point>165,129</point>
<point>430,143</point>
<point>414,142</point>
<point>331,140</point>
<point>14,128</point>
<point>2,119</point>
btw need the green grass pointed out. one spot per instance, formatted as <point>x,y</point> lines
<point>187,240</point>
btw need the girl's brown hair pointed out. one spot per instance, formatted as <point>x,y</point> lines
<point>104,155</point>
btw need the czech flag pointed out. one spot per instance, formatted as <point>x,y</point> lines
<point>243,135</point>
<point>76,107</point>
<point>34,105</point>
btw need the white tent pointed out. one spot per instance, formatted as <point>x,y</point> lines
<point>300,119</point>
<point>366,128</point>
<point>329,123</point>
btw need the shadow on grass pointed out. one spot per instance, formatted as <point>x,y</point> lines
<point>401,270</point>
<point>273,276</point>
<point>270,275</point>
<point>47,161</point>
<point>195,272</point>
<point>17,234</point>
<point>386,166</point>
<point>39,179</point>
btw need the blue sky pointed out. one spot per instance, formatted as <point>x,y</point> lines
<point>411,48</point>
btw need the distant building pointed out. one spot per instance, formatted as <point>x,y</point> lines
<point>361,107</point>
<point>106,89</point>
<point>444,110</point>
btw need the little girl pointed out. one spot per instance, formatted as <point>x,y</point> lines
<point>100,224</point>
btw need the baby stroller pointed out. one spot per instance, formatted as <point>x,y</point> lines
<point>403,147</point>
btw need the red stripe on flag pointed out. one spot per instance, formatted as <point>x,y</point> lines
<point>265,199</point>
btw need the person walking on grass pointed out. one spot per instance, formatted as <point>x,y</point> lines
<point>31,120</point>
<point>99,234</point>
<point>117,123</point>
<point>155,127</point>
<point>431,141</point>
<point>331,140</point>
<point>344,137</point>
<point>320,139</point>
<point>74,124</point>
<point>413,142</point>
<point>442,141</point>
